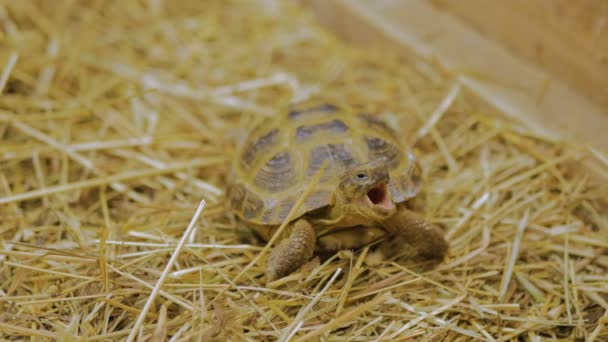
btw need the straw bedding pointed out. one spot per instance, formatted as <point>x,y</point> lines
<point>117,118</point>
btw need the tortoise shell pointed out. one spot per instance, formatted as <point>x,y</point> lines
<point>282,155</point>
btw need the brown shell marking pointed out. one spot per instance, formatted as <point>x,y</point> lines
<point>376,125</point>
<point>306,132</point>
<point>406,180</point>
<point>379,148</point>
<point>284,208</point>
<point>259,147</point>
<point>340,154</point>
<point>299,114</point>
<point>245,201</point>
<point>277,174</point>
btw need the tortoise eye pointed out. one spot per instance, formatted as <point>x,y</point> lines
<point>361,176</point>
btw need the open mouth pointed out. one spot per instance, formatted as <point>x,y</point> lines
<point>380,196</point>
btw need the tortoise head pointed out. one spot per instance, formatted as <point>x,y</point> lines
<point>364,191</point>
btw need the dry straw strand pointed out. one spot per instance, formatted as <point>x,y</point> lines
<point>170,264</point>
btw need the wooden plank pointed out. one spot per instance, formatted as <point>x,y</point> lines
<point>514,86</point>
<point>567,38</point>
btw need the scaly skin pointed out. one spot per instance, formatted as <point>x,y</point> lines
<point>425,237</point>
<point>293,252</point>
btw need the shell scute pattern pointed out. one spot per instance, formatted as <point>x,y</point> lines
<point>299,114</point>
<point>380,148</point>
<point>277,174</point>
<point>338,155</point>
<point>285,206</point>
<point>245,201</point>
<point>256,149</point>
<point>307,132</point>
<point>282,155</point>
<point>378,126</point>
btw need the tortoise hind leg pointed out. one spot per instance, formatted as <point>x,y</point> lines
<point>293,252</point>
<point>425,237</point>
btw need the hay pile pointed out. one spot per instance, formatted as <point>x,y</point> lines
<point>118,117</point>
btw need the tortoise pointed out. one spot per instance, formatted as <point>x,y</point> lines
<point>358,199</point>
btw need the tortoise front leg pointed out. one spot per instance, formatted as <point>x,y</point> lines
<point>293,252</point>
<point>425,237</point>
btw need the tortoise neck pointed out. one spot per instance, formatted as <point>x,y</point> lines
<point>348,214</point>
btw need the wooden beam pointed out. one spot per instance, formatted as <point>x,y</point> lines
<point>517,88</point>
<point>567,38</point>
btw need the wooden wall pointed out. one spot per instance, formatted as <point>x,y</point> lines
<point>536,61</point>
<point>567,38</point>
